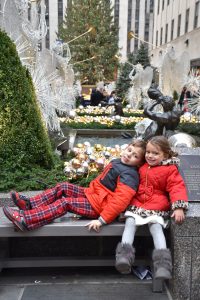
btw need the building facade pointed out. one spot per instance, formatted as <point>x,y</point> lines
<point>55,12</point>
<point>176,24</point>
<point>133,16</point>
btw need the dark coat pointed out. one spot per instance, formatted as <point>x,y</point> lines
<point>112,191</point>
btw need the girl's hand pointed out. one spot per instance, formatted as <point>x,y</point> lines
<point>94,224</point>
<point>178,215</point>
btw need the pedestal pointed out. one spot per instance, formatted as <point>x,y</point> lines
<point>185,246</point>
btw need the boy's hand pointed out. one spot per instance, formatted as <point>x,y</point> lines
<point>178,215</point>
<point>94,224</point>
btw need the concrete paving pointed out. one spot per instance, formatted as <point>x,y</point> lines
<point>76,284</point>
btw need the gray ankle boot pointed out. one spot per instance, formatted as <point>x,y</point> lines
<point>162,264</point>
<point>125,256</point>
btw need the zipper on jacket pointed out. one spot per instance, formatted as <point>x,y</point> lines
<point>146,181</point>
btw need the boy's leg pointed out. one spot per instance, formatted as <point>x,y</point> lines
<point>125,253</point>
<point>60,190</point>
<point>162,261</point>
<point>43,215</point>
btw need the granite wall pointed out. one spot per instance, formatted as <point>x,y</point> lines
<point>185,246</point>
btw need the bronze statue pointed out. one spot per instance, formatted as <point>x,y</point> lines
<point>164,123</point>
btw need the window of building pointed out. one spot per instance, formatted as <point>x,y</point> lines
<point>47,38</point>
<point>116,13</point>
<point>151,6</point>
<point>146,29</point>
<point>163,4</point>
<point>187,19</point>
<point>166,33</point>
<point>161,34</point>
<point>179,25</point>
<point>60,12</point>
<point>196,14</point>
<point>129,24</point>
<point>158,10</point>
<point>29,11</point>
<point>137,17</point>
<point>157,38</point>
<point>172,30</point>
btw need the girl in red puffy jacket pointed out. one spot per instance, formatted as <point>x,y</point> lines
<point>161,190</point>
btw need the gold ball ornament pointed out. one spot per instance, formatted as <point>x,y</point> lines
<point>80,172</point>
<point>93,169</point>
<point>82,157</point>
<point>113,151</point>
<point>85,165</point>
<point>89,151</point>
<point>98,147</point>
<point>68,171</point>
<point>100,163</point>
<point>92,158</point>
<point>67,164</point>
<point>76,163</point>
<point>76,150</point>
<point>107,154</point>
<point>79,145</point>
<point>87,144</point>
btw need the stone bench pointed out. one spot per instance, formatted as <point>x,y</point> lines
<point>65,227</point>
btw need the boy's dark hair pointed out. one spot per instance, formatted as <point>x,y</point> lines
<point>162,142</point>
<point>140,144</point>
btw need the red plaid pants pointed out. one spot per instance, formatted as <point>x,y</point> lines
<point>55,202</point>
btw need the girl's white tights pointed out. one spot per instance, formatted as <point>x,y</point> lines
<point>155,229</point>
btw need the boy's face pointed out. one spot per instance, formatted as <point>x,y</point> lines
<point>132,156</point>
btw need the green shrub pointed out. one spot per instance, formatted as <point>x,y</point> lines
<point>96,125</point>
<point>190,128</point>
<point>23,138</point>
<point>24,142</point>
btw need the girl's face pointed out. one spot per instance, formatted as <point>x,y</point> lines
<point>132,156</point>
<point>154,155</point>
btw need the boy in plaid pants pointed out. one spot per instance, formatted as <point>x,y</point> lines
<point>106,197</point>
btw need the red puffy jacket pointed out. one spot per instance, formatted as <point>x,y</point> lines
<point>160,187</point>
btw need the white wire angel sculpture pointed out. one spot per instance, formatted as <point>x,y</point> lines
<point>173,71</point>
<point>141,80</point>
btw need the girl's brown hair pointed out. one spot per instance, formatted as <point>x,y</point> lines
<point>164,145</point>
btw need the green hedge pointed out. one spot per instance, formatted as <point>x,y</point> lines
<point>24,142</point>
<point>96,125</point>
<point>190,128</point>
<point>108,114</point>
